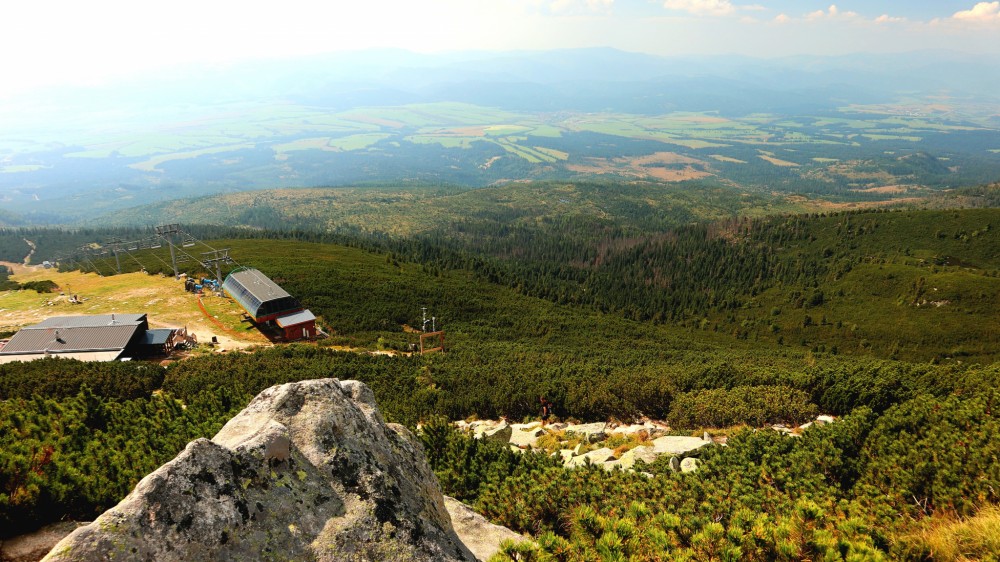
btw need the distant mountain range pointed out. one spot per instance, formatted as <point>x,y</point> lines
<point>73,152</point>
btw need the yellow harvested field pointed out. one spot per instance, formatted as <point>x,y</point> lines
<point>885,189</point>
<point>664,158</point>
<point>162,298</point>
<point>669,174</point>
<point>651,166</point>
<point>777,161</point>
<point>722,158</point>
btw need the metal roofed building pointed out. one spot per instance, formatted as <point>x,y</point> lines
<point>266,303</point>
<point>104,337</point>
<point>158,341</point>
<point>262,298</point>
<point>92,321</point>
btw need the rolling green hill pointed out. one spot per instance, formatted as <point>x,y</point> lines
<point>912,285</point>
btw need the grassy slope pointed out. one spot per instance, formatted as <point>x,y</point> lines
<point>875,304</point>
<point>162,298</point>
<point>927,287</point>
<point>915,285</point>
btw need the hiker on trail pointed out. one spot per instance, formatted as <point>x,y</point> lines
<point>546,409</point>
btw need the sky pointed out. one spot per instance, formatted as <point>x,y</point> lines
<point>82,42</point>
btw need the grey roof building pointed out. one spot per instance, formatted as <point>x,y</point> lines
<point>102,337</point>
<point>262,298</point>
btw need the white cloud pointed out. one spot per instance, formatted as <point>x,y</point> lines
<point>981,12</point>
<point>782,18</point>
<point>702,7</point>
<point>831,13</point>
<point>886,18</point>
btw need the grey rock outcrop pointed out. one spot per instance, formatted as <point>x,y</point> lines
<point>690,464</point>
<point>308,471</point>
<point>479,535</point>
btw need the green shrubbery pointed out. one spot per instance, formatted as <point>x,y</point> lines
<point>852,490</point>
<point>750,405</point>
<point>79,455</point>
<point>917,439</point>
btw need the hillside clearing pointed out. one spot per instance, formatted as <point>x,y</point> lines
<point>162,298</point>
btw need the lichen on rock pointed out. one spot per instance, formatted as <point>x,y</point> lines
<point>307,471</point>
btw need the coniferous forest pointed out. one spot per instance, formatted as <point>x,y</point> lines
<point>885,319</point>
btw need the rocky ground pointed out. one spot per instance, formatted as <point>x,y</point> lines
<point>608,445</point>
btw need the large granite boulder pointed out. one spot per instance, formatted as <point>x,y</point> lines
<point>482,537</point>
<point>308,471</point>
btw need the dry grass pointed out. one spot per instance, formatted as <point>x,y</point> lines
<point>162,298</point>
<point>958,540</point>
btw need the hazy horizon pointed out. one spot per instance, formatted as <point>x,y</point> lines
<point>97,42</point>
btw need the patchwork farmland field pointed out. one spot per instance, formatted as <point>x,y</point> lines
<point>844,156</point>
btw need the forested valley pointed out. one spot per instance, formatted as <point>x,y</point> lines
<point>886,319</point>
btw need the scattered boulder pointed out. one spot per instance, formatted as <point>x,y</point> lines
<point>500,433</point>
<point>644,453</point>
<point>781,428</point>
<point>479,535</point>
<point>591,432</point>
<point>677,445</point>
<point>675,464</point>
<point>525,436</point>
<point>690,464</point>
<point>628,429</point>
<point>598,456</point>
<point>822,419</point>
<point>307,471</point>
